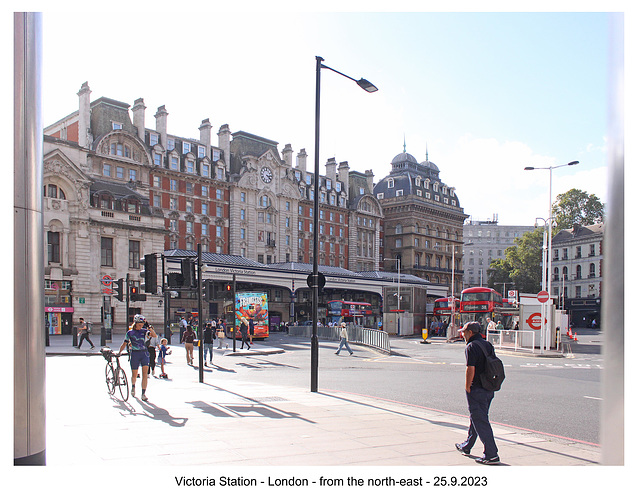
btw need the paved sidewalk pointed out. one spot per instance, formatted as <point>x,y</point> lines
<point>236,422</point>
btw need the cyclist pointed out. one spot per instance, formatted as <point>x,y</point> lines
<point>135,338</point>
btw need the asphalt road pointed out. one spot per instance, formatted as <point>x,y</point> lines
<point>557,396</point>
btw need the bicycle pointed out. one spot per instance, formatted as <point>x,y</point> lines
<point>115,374</point>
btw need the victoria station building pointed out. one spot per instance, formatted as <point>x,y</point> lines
<point>123,201</point>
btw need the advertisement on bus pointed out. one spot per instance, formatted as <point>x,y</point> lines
<point>253,306</point>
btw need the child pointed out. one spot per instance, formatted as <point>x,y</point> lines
<point>164,351</point>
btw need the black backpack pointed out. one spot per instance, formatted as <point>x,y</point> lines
<point>493,374</point>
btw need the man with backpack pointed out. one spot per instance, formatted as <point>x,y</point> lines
<point>484,375</point>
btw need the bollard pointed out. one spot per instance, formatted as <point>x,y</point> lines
<point>103,337</point>
<point>74,338</point>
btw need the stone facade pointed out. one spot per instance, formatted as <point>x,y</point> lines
<point>422,221</point>
<point>485,241</point>
<point>576,272</point>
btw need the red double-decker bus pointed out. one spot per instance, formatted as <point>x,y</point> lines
<point>442,315</point>
<point>442,307</point>
<point>360,313</point>
<point>478,304</point>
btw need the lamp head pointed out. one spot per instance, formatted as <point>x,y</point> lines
<point>367,86</point>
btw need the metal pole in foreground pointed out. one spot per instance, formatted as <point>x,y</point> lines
<point>200,345</point>
<point>29,402</point>
<point>316,199</point>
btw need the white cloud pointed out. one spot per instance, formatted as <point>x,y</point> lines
<point>490,179</point>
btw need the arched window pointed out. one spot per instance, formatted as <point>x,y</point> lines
<point>54,192</point>
<point>592,270</point>
<point>578,272</point>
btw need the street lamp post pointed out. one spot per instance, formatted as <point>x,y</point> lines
<point>547,281</point>
<point>370,88</point>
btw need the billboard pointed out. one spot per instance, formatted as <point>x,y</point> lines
<point>253,306</point>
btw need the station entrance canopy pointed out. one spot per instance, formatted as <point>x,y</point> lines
<point>293,275</point>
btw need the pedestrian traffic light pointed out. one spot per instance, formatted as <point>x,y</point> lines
<point>149,273</point>
<point>228,290</point>
<point>118,289</point>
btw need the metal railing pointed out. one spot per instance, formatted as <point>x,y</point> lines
<point>518,340</point>
<point>370,337</point>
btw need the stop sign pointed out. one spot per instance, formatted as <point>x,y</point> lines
<point>543,296</point>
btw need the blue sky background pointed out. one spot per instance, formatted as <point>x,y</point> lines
<point>486,93</point>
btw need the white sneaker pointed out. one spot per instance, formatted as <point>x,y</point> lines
<point>144,397</point>
<point>133,391</point>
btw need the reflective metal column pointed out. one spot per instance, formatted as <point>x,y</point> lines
<point>29,341</point>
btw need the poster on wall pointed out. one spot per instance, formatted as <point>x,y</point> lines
<point>253,306</point>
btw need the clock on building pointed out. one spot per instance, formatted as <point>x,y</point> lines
<point>266,174</point>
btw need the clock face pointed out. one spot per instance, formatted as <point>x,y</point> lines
<point>266,174</point>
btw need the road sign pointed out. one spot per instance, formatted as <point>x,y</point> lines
<point>321,281</point>
<point>543,296</point>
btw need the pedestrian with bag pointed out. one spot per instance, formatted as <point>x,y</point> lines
<point>244,331</point>
<point>479,387</point>
<point>83,330</point>
<point>188,338</point>
<point>344,342</point>
<point>220,330</point>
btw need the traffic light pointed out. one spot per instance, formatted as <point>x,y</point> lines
<point>135,295</point>
<point>228,290</point>
<point>149,273</point>
<point>188,269</point>
<point>118,289</point>
<point>209,291</point>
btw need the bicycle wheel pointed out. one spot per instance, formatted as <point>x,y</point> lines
<point>122,383</point>
<point>111,378</point>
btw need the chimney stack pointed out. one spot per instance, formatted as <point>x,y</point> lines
<point>301,160</point>
<point>138,118</point>
<point>84,116</point>
<point>205,134</point>
<point>161,124</point>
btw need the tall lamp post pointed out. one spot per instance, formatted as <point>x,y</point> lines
<point>370,88</point>
<point>547,281</point>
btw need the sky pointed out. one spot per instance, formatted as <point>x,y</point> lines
<point>484,94</point>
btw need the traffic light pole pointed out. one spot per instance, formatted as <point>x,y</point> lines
<point>233,310</point>
<point>127,313</point>
<point>200,333</point>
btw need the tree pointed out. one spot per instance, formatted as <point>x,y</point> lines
<point>577,207</point>
<point>521,263</point>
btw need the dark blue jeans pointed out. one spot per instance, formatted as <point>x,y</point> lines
<point>479,400</point>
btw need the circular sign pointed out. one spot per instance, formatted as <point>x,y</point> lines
<point>321,280</point>
<point>106,280</point>
<point>535,321</point>
<point>543,296</point>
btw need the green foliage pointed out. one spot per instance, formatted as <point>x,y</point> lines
<point>577,207</point>
<point>521,264</point>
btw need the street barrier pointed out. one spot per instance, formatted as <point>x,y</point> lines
<point>370,337</point>
<point>518,340</point>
